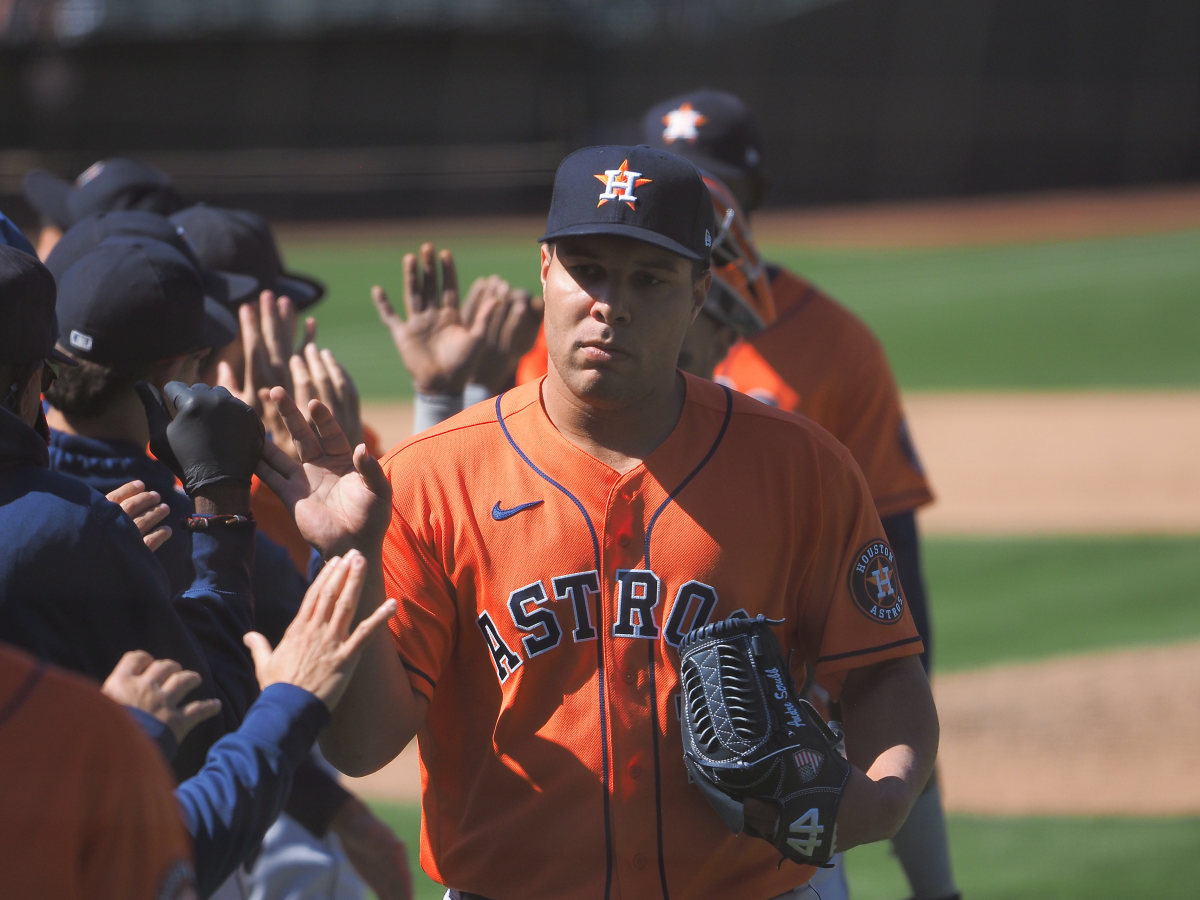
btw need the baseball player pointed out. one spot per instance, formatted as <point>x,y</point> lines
<point>549,551</point>
<point>818,359</point>
<point>439,345</point>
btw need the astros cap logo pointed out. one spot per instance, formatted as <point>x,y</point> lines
<point>619,184</point>
<point>683,124</point>
<point>671,209</point>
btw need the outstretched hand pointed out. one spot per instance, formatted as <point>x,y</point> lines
<point>158,687</point>
<point>319,651</point>
<point>268,340</point>
<point>337,494</point>
<point>437,345</point>
<point>512,319</point>
<point>318,373</point>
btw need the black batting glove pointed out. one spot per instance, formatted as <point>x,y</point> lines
<point>205,435</point>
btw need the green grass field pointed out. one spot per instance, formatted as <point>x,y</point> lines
<point>1005,859</point>
<point>1112,313</point>
<point>1012,599</point>
<point>1115,313</point>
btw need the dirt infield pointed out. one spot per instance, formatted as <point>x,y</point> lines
<point>1054,737</point>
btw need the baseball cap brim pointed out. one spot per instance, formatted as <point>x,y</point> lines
<point>622,230</point>
<point>47,194</point>
<point>302,291</point>
<point>723,171</point>
<point>59,357</point>
<point>220,324</point>
<point>230,289</point>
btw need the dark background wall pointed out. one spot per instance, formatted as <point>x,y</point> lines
<point>858,100</point>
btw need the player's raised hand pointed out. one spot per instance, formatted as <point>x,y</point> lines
<point>146,509</point>
<point>438,347</point>
<point>318,374</point>
<point>268,333</point>
<point>315,374</point>
<point>338,494</point>
<point>512,319</point>
<point>320,648</point>
<point>158,687</point>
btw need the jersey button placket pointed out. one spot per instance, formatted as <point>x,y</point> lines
<point>634,820</point>
<point>621,524</point>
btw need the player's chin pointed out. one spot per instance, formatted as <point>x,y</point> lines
<point>603,387</point>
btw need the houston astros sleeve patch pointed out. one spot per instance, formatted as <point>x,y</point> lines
<point>875,583</point>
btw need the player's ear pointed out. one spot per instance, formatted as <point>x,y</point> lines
<point>547,258</point>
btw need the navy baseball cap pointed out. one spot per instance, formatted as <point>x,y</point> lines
<point>130,301</point>
<point>28,327</point>
<point>636,192</point>
<point>108,184</point>
<point>223,291</point>
<point>237,240</point>
<point>713,129</point>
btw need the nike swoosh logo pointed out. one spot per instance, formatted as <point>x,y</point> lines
<point>501,514</point>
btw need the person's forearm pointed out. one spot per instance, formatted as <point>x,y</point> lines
<point>377,716</point>
<point>231,802</point>
<point>430,409</point>
<point>218,608</point>
<point>891,738</point>
<point>157,731</point>
<point>222,499</point>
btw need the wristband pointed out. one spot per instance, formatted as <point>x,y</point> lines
<point>208,523</point>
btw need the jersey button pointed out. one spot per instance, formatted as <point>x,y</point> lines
<point>629,677</point>
<point>635,771</point>
<point>639,860</point>
<point>624,539</point>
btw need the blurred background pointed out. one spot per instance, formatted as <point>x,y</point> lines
<point>1006,191</point>
<point>386,108</point>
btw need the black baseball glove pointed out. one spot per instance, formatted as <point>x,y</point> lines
<point>747,735</point>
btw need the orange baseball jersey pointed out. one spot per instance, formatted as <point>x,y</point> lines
<point>819,359</point>
<point>543,596</point>
<point>89,805</point>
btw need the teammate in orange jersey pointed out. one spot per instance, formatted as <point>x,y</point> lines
<point>818,359</point>
<point>89,804</point>
<point>550,549</point>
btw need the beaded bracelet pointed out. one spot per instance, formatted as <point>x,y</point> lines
<point>207,523</point>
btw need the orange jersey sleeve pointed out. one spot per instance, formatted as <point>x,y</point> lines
<point>820,360</point>
<point>89,804</point>
<point>543,596</point>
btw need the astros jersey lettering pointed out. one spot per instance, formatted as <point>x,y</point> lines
<point>818,359</point>
<point>542,598</point>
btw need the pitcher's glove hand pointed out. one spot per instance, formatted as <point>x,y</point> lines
<point>205,435</point>
<point>747,735</point>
